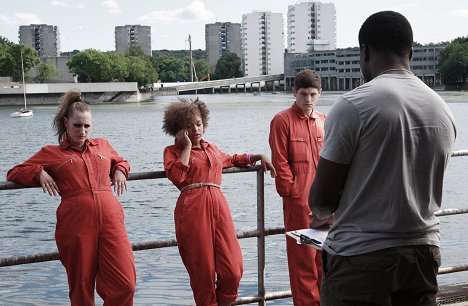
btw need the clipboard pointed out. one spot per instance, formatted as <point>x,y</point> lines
<point>313,237</point>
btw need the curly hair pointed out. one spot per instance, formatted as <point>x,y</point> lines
<point>179,115</point>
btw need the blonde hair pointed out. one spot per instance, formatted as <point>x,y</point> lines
<point>69,103</point>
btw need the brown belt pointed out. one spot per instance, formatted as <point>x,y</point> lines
<point>198,185</point>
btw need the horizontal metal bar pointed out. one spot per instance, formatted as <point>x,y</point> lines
<point>460,153</point>
<point>453,269</point>
<point>451,211</point>
<point>43,257</point>
<point>268,297</point>
<point>7,185</point>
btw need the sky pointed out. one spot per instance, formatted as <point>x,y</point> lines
<point>87,24</point>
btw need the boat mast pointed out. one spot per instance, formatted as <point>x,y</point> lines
<point>22,74</point>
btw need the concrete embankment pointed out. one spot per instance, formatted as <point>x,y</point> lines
<point>11,94</point>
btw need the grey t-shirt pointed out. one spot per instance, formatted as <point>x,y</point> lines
<point>396,135</point>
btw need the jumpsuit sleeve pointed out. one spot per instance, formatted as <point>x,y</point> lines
<point>27,173</point>
<point>238,160</point>
<point>117,162</point>
<point>175,169</point>
<point>279,144</point>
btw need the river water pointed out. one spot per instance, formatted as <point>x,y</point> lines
<point>238,123</point>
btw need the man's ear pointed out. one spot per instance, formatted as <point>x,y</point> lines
<point>411,54</point>
<point>364,51</point>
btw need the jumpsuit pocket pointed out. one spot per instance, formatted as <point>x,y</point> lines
<point>179,212</point>
<point>64,162</point>
<point>103,165</point>
<point>298,149</point>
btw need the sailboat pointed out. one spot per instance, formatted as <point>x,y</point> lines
<point>25,111</point>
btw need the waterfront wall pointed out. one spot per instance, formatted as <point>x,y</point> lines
<point>41,94</point>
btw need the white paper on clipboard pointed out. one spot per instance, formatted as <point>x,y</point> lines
<point>313,237</point>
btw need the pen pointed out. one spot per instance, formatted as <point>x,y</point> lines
<point>306,240</point>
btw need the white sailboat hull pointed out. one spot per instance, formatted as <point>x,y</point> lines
<point>22,113</point>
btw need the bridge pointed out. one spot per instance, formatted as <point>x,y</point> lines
<point>271,82</point>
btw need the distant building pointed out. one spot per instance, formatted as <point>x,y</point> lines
<point>311,26</point>
<point>41,37</point>
<point>262,43</point>
<point>340,69</point>
<point>60,63</point>
<point>222,37</point>
<point>133,35</point>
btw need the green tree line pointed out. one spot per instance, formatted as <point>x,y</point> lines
<point>453,63</point>
<point>173,66</point>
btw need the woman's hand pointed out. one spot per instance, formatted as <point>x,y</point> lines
<point>48,183</point>
<point>182,139</point>
<point>266,163</point>
<point>119,181</point>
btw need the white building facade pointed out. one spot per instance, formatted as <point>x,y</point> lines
<point>262,36</point>
<point>311,27</point>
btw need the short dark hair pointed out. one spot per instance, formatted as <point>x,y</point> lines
<point>307,78</point>
<point>387,31</point>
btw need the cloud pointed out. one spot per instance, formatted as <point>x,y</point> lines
<point>20,19</point>
<point>58,3</point>
<point>63,4</point>
<point>112,6</point>
<point>460,13</point>
<point>195,11</point>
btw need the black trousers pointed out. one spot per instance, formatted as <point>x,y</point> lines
<point>404,276</point>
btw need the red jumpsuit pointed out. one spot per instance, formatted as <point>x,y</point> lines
<point>295,142</point>
<point>90,232</point>
<point>205,232</point>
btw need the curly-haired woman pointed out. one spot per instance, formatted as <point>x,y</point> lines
<point>204,228</point>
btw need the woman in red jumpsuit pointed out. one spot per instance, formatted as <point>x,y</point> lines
<point>205,231</point>
<point>90,232</point>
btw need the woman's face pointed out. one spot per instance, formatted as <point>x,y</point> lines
<point>195,131</point>
<point>78,128</point>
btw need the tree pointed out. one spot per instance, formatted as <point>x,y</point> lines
<point>453,63</point>
<point>141,70</point>
<point>10,59</point>
<point>92,66</point>
<point>45,73</point>
<point>119,70</point>
<point>228,66</point>
<point>201,67</point>
<point>171,69</point>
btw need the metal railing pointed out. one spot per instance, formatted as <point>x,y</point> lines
<point>260,232</point>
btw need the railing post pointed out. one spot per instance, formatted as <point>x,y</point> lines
<point>261,235</point>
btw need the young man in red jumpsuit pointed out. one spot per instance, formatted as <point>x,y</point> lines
<point>90,232</point>
<point>296,137</point>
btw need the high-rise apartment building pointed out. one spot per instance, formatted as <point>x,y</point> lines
<point>262,43</point>
<point>311,26</point>
<point>133,35</point>
<point>41,37</point>
<point>222,37</point>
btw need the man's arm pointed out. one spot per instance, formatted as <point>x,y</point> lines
<point>326,190</point>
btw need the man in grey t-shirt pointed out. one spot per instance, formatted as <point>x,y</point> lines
<point>380,175</point>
